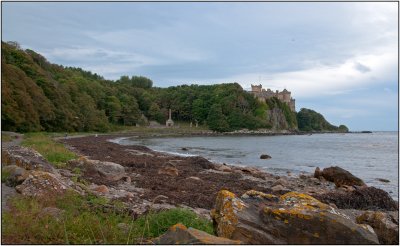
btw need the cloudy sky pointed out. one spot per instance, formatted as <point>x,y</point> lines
<point>340,59</point>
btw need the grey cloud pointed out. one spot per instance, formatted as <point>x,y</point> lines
<point>361,68</point>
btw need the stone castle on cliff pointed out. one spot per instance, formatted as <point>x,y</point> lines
<point>284,96</point>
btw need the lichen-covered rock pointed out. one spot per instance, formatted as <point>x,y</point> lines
<point>292,218</point>
<point>180,234</point>
<point>15,175</point>
<point>39,184</point>
<point>386,229</point>
<point>25,158</point>
<point>339,176</point>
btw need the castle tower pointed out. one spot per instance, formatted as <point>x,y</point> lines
<point>256,88</point>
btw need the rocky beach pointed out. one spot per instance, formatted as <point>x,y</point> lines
<point>144,180</point>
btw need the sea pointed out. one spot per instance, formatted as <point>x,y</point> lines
<point>369,156</point>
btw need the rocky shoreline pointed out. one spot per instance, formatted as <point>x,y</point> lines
<point>145,180</point>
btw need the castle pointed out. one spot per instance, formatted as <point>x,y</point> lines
<point>283,96</point>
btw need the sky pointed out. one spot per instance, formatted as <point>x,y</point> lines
<point>339,59</point>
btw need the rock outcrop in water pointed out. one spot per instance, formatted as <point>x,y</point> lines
<point>339,176</point>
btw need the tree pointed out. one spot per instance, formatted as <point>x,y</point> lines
<point>155,113</point>
<point>216,120</point>
<point>113,109</point>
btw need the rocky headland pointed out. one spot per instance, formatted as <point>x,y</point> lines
<point>247,205</point>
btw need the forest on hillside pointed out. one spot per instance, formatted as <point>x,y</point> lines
<point>40,96</point>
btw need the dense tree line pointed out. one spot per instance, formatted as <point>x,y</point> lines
<point>38,95</point>
<point>309,120</point>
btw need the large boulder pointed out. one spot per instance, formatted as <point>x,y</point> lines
<point>100,172</point>
<point>360,198</point>
<point>15,175</point>
<point>42,184</point>
<point>180,234</point>
<point>25,158</point>
<point>339,176</point>
<point>293,218</point>
<point>383,224</point>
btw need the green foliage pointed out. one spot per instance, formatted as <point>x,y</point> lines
<point>4,175</point>
<point>216,120</point>
<point>52,151</point>
<point>343,128</point>
<point>84,222</point>
<point>40,96</point>
<point>309,120</point>
<point>154,224</point>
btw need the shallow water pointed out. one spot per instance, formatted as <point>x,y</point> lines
<point>368,156</point>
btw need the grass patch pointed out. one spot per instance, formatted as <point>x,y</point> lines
<point>81,223</point>
<point>6,137</point>
<point>4,175</point>
<point>52,151</point>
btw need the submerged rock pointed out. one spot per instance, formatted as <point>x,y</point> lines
<point>265,156</point>
<point>293,218</point>
<point>180,234</point>
<point>339,176</point>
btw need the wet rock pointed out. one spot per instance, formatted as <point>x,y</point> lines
<point>168,169</point>
<point>253,171</point>
<point>180,234</point>
<point>25,158</point>
<point>281,181</point>
<point>383,180</point>
<point>56,213</point>
<point>339,176</point>
<point>102,189</point>
<point>293,218</point>
<point>383,225</point>
<point>361,198</point>
<point>315,181</point>
<point>15,175</point>
<point>193,178</point>
<point>223,168</point>
<point>265,156</point>
<point>202,162</point>
<point>184,148</point>
<point>40,184</point>
<point>279,189</point>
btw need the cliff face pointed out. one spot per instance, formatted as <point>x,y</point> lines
<point>276,119</point>
<point>279,115</point>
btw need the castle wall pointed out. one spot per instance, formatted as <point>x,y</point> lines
<point>284,96</point>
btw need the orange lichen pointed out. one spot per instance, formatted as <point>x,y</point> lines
<point>227,206</point>
<point>178,226</point>
<point>254,193</point>
<point>316,234</point>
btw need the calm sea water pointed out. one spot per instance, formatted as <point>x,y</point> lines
<point>368,156</point>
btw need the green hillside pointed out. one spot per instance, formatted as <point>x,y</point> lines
<point>40,96</point>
